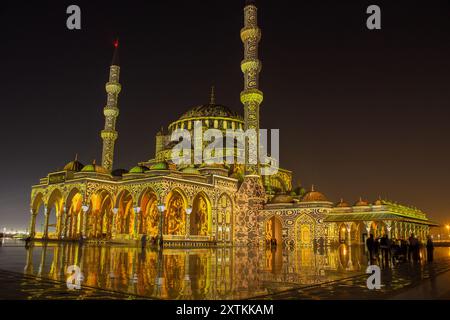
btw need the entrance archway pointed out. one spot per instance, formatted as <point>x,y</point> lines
<point>200,223</point>
<point>274,230</point>
<point>125,214</point>
<point>72,220</point>
<point>52,228</point>
<point>149,220</point>
<point>100,215</point>
<point>175,215</point>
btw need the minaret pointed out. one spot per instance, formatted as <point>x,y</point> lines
<point>111,111</point>
<point>251,96</point>
<point>251,195</point>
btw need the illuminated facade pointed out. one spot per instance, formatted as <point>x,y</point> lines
<point>203,205</point>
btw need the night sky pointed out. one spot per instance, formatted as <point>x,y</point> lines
<point>361,113</point>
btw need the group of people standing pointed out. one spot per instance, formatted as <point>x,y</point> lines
<point>397,250</point>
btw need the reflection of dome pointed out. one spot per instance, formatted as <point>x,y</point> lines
<point>94,168</point>
<point>281,198</point>
<point>163,165</point>
<point>313,196</point>
<point>119,172</point>
<point>361,203</point>
<point>190,170</point>
<point>74,166</point>
<point>210,110</point>
<point>342,204</point>
<point>138,169</point>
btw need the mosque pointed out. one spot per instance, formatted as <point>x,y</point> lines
<point>203,205</point>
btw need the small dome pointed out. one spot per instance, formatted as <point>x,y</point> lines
<point>314,196</point>
<point>342,204</point>
<point>94,168</point>
<point>119,172</point>
<point>215,165</point>
<point>281,198</point>
<point>190,170</point>
<point>378,202</point>
<point>138,169</point>
<point>75,166</point>
<point>361,203</point>
<point>160,166</point>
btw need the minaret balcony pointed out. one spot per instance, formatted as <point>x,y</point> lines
<point>109,135</point>
<point>252,95</point>
<point>251,65</point>
<point>113,87</point>
<point>248,33</point>
<point>111,112</point>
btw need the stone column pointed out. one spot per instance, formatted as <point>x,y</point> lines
<point>214,222</point>
<point>188,223</point>
<point>33,223</point>
<point>388,228</point>
<point>348,227</point>
<point>61,222</point>
<point>66,224</point>
<point>47,217</point>
<point>367,225</point>
<point>84,220</point>
<point>136,211</point>
<point>114,221</point>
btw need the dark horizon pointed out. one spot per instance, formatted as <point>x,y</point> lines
<point>361,113</point>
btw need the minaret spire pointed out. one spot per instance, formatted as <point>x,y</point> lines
<point>212,97</point>
<point>111,111</point>
<point>251,96</point>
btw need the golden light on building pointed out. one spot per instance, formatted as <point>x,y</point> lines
<point>204,205</point>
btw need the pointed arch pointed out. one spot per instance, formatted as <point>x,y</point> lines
<point>73,212</point>
<point>201,215</point>
<point>37,202</point>
<point>175,214</point>
<point>99,217</point>
<point>273,227</point>
<point>125,214</point>
<point>149,217</point>
<point>53,219</point>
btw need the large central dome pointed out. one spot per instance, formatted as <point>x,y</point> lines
<point>210,110</point>
<point>211,115</point>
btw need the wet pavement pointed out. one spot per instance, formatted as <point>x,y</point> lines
<point>120,272</point>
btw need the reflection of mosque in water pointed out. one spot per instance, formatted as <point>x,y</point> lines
<point>214,273</point>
